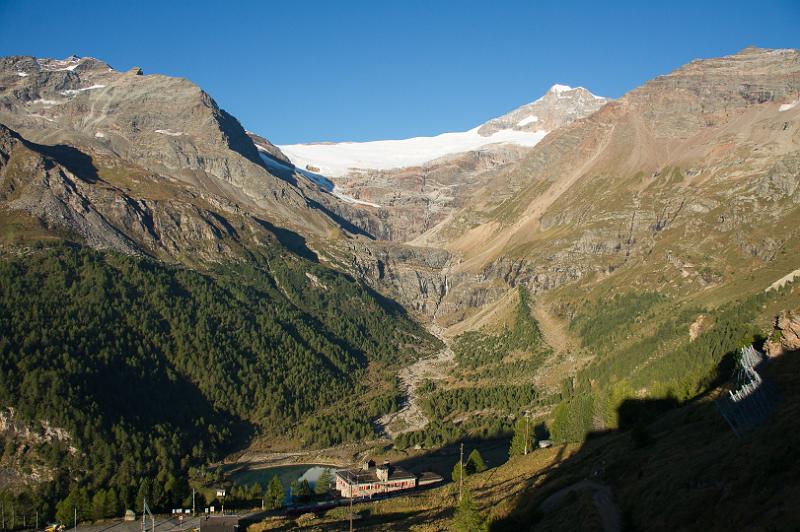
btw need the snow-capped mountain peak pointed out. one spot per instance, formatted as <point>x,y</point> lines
<point>524,126</point>
<point>558,88</point>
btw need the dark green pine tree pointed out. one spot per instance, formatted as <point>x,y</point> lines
<point>304,491</point>
<point>142,495</point>
<point>275,494</point>
<point>518,441</point>
<point>323,482</point>
<point>456,474</point>
<point>475,463</point>
<point>467,518</point>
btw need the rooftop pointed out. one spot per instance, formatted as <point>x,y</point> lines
<point>369,475</point>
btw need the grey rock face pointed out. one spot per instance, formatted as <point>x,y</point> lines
<point>37,180</point>
<point>166,125</point>
<point>560,106</point>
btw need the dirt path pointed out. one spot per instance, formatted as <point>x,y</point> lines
<point>410,417</point>
<point>554,330</point>
<point>601,497</point>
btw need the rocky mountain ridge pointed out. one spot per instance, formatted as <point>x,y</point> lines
<point>151,125</point>
<point>691,156</point>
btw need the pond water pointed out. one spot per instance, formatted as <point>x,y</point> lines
<point>286,474</point>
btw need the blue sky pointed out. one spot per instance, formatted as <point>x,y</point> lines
<point>340,70</point>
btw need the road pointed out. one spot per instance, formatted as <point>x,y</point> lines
<point>163,524</point>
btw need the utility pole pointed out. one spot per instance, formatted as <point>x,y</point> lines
<point>37,519</point>
<point>461,474</point>
<point>526,432</point>
<point>75,517</point>
<point>145,512</point>
<point>351,508</point>
<point>193,506</point>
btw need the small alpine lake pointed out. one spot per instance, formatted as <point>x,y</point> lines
<point>252,474</point>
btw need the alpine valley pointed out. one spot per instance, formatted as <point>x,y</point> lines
<point>565,289</point>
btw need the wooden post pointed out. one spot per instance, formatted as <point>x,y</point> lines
<point>526,433</point>
<point>461,475</point>
<point>351,508</point>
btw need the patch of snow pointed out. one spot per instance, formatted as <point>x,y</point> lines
<point>338,159</point>
<point>788,106</point>
<point>558,88</point>
<point>70,92</point>
<point>528,120</point>
<point>274,164</point>
<point>323,182</point>
<point>170,133</point>
<point>100,135</point>
<point>350,199</point>
<point>44,102</point>
<point>22,74</point>
<point>317,179</point>
<point>57,65</point>
<point>42,116</point>
<point>780,283</point>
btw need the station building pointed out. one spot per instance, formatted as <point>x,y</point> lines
<point>370,479</point>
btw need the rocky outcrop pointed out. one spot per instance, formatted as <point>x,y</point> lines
<point>416,277</point>
<point>42,432</point>
<point>786,334</point>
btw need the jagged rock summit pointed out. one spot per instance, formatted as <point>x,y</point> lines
<point>559,106</point>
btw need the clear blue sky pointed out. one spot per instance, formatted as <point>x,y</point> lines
<point>339,70</point>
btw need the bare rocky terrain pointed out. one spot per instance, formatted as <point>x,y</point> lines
<point>410,416</point>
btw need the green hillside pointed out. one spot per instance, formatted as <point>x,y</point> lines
<point>152,368</point>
